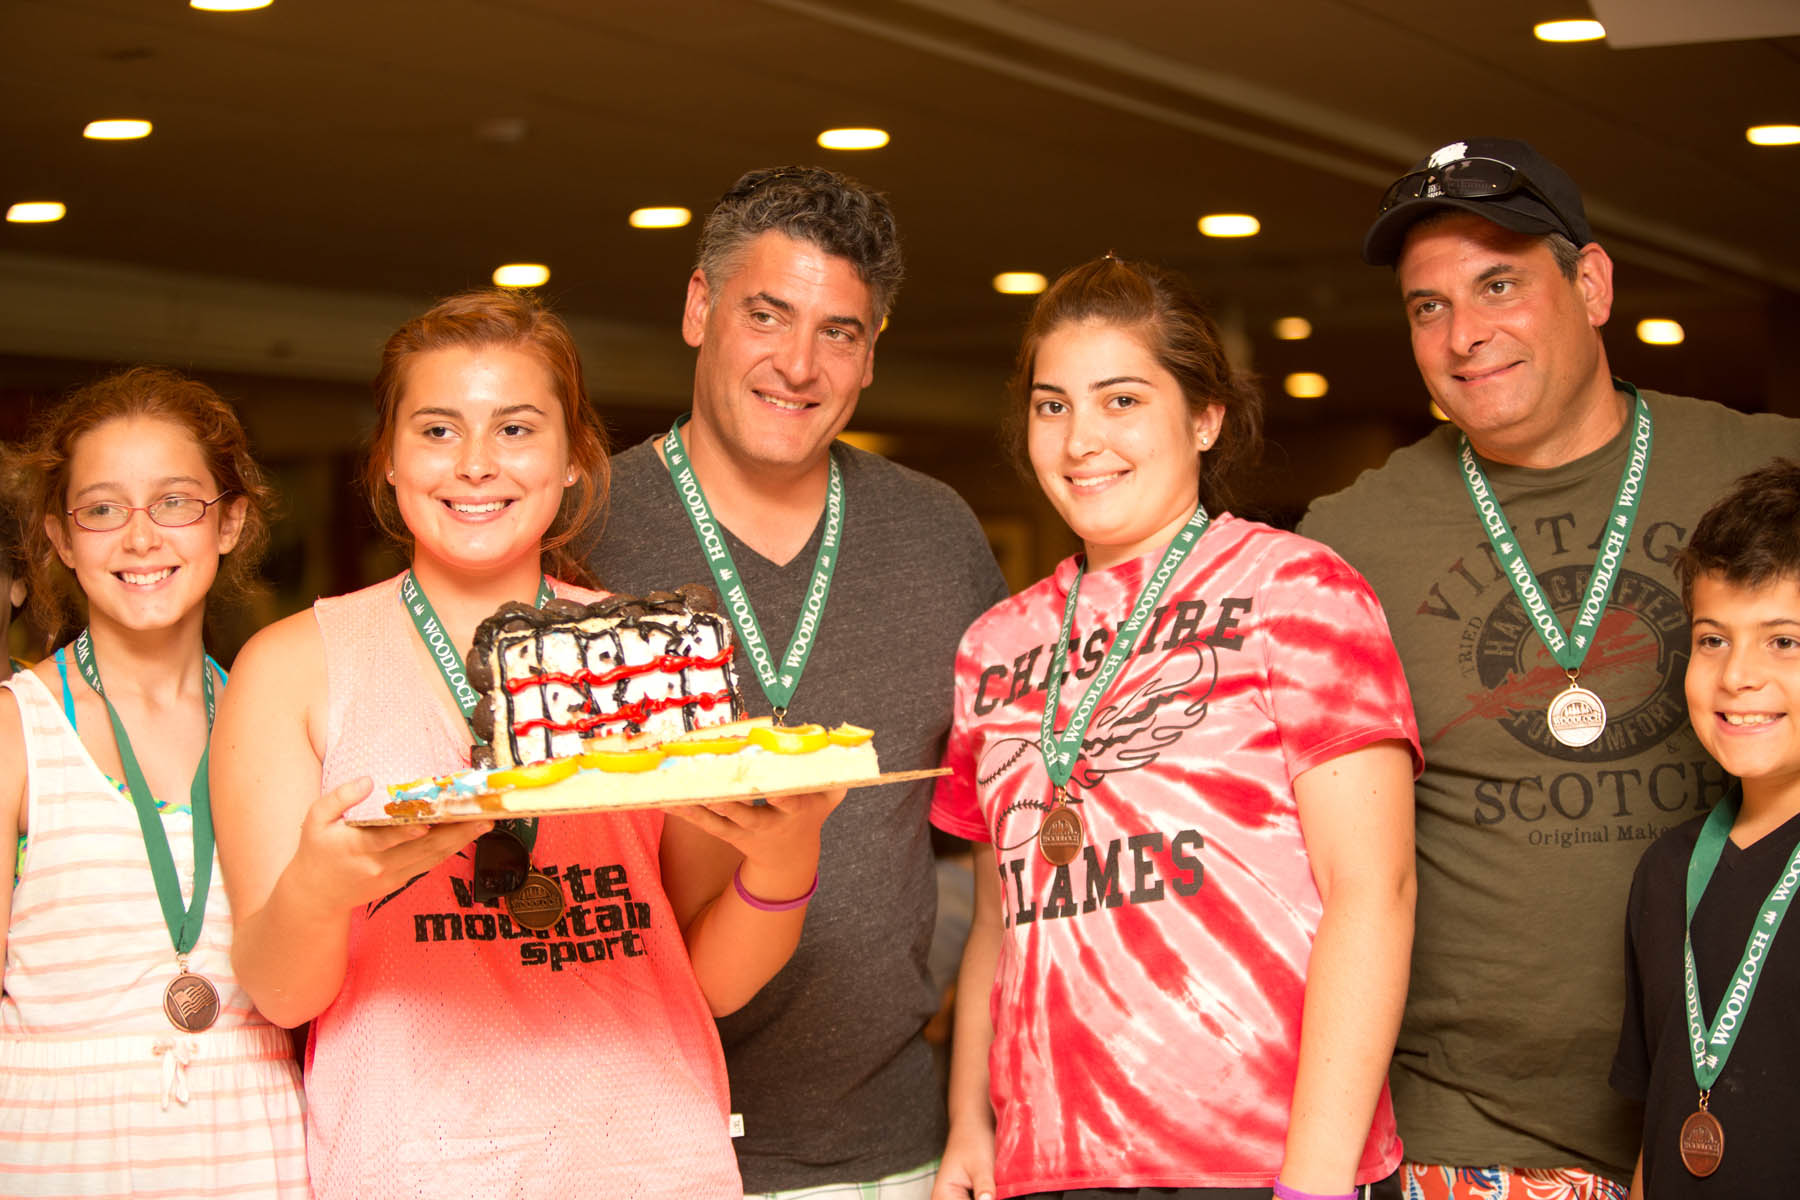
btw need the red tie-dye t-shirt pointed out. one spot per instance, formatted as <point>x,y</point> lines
<point>1148,995</point>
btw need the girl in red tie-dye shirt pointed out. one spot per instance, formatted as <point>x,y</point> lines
<point>1189,958</point>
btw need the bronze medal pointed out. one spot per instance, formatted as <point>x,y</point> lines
<point>1576,716</point>
<point>191,1002</point>
<point>1702,1143</point>
<point>1060,837</point>
<point>538,904</point>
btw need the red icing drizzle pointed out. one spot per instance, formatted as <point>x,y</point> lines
<point>666,662</point>
<point>629,713</point>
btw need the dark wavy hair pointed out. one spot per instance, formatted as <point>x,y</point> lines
<point>56,604</point>
<point>1750,537</point>
<point>1160,305</point>
<point>513,320</point>
<point>809,204</point>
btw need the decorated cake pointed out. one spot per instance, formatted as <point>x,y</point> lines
<point>626,703</point>
<point>553,677</point>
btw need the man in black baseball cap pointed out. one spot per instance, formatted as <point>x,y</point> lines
<point>1523,553</point>
<point>1497,179</point>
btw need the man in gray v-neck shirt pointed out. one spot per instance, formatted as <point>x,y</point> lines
<point>797,269</point>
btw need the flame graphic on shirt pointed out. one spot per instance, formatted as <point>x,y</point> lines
<point>1130,732</point>
<point>1126,733</point>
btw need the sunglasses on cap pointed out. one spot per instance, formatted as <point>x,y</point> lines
<point>1469,179</point>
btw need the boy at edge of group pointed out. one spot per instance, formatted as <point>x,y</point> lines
<point>1708,1042</point>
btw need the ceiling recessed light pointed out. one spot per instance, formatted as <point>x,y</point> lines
<point>119,130</point>
<point>672,217</point>
<point>1305,385</point>
<point>853,139</point>
<point>521,275</point>
<point>1568,31</point>
<point>228,5</point>
<point>1020,283</point>
<point>1660,331</point>
<point>1226,225</point>
<point>35,212</point>
<point>1773,135</point>
<point>1293,329</point>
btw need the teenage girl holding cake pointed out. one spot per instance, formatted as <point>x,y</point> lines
<point>131,1060</point>
<point>1185,759</point>
<point>463,1044</point>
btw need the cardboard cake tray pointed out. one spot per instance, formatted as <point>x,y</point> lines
<point>371,812</point>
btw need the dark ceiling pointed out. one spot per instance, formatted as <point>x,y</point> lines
<point>320,166</point>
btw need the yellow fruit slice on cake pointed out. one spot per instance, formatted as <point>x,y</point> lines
<point>850,735</point>
<point>624,759</point>
<point>538,774</point>
<point>791,739</point>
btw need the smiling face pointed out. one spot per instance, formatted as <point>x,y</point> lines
<point>1743,679</point>
<point>1113,441</point>
<point>787,343</point>
<point>480,458</point>
<point>1506,343</point>
<point>143,576</point>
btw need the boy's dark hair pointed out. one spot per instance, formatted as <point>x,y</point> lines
<point>1750,537</point>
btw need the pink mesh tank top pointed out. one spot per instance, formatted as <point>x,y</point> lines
<point>466,1055</point>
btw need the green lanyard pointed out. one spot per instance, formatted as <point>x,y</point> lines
<point>1709,1048</point>
<point>1061,750</point>
<point>777,684</point>
<point>1567,649</point>
<point>184,923</point>
<point>449,662</point>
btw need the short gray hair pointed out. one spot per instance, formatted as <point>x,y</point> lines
<point>810,204</point>
<point>1566,253</point>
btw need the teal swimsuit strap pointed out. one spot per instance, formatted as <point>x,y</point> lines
<point>62,668</point>
<point>68,701</point>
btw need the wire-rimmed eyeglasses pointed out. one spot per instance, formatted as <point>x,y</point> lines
<point>171,512</point>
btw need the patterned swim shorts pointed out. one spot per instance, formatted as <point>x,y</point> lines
<point>1431,1181</point>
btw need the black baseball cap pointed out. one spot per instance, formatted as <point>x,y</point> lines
<point>1504,181</point>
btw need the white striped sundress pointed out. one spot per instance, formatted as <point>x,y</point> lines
<point>99,1094</point>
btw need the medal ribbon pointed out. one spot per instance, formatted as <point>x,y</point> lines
<point>778,684</point>
<point>1709,1048</point>
<point>449,663</point>
<point>1060,750</point>
<point>184,923</point>
<point>1571,648</point>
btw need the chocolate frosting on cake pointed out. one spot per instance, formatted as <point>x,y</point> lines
<point>695,609</point>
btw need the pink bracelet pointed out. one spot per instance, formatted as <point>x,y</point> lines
<point>737,881</point>
<point>1284,1192</point>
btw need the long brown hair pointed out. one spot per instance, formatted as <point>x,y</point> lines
<point>56,604</point>
<point>1159,305</point>
<point>518,321</point>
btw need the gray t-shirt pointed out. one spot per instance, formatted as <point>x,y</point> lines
<point>827,1066</point>
<point>1526,847</point>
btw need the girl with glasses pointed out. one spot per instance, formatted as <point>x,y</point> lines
<point>131,1060</point>
<point>456,1048</point>
<point>1185,761</point>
